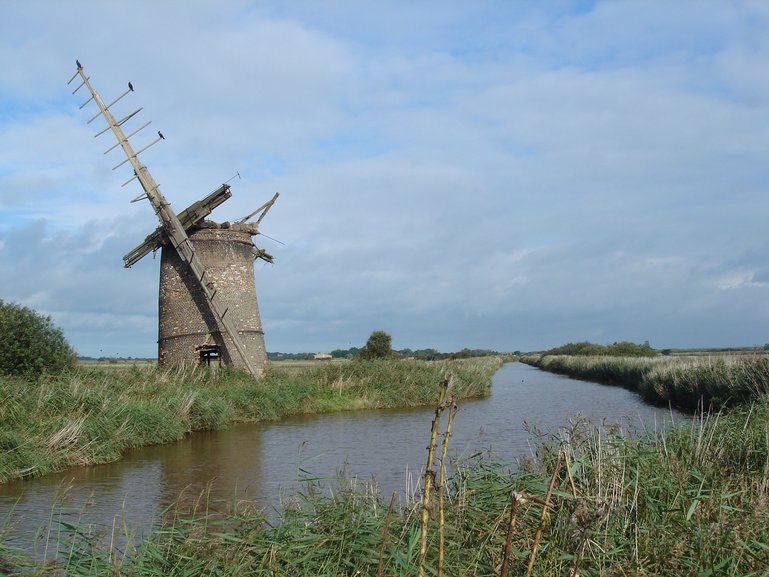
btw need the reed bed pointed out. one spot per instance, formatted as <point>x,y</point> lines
<point>93,415</point>
<point>692,500</point>
<point>685,382</point>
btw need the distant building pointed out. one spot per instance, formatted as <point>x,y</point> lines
<point>322,357</point>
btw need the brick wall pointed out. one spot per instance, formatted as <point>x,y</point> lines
<point>186,321</point>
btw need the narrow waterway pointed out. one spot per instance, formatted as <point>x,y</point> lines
<point>266,462</point>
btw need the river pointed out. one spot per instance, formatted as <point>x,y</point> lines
<point>265,463</point>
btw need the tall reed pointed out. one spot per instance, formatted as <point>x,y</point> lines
<point>685,382</point>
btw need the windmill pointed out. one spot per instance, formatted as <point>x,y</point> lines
<point>207,306</point>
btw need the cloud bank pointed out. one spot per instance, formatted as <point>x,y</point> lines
<point>497,175</point>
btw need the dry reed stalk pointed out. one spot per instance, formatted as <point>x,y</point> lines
<point>441,482</point>
<point>571,477</point>
<point>578,557</point>
<point>430,477</point>
<point>67,435</point>
<point>509,536</point>
<point>583,542</point>
<point>385,533</point>
<point>540,529</point>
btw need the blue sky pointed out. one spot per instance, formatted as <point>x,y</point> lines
<point>506,175</point>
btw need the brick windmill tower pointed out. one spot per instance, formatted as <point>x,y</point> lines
<point>208,312</point>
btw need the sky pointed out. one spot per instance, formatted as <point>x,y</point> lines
<point>506,175</point>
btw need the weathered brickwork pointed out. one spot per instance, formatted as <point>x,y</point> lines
<point>186,322</point>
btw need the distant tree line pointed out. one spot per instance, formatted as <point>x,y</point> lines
<point>379,345</point>
<point>621,349</point>
<point>115,359</point>
<point>290,356</point>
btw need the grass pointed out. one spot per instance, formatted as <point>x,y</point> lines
<point>692,500</point>
<point>686,382</point>
<point>92,415</point>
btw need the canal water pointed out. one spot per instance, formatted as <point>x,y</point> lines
<point>266,463</point>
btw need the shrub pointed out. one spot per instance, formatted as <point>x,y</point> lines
<point>378,346</point>
<point>30,343</point>
<point>621,349</point>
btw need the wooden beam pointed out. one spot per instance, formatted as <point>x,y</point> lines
<point>189,217</point>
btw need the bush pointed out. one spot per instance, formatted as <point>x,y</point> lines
<point>622,349</point>
<point>378,346</point>
<point>30,343</point>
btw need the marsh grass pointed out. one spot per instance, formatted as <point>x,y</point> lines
<point>692,500</point>
<point>685,382</point>
<point>93,415</point>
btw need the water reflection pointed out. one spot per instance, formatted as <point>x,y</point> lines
<point>259,462</point>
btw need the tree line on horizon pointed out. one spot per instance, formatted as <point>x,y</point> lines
<point>379,345</point>
<point>420,354</point>
<point>620,349</point>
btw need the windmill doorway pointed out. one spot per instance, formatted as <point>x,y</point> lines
<point>208,355</point>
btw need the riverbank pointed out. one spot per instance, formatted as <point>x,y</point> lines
<point>691,500</point>
<point>93,415</point>
<point>687,382</point>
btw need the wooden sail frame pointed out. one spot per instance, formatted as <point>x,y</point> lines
<point>170,223</point>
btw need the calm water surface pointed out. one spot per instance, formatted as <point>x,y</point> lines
<point>262,462</point>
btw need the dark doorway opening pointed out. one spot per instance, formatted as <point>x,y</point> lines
<point>209,356</point>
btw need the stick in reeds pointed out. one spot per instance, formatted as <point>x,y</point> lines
<point>583,541</point>
<point>441,482</point>
<point>385,532</point>
<point>430,477</point>
<point>509,537</point>
<point>545,513</point>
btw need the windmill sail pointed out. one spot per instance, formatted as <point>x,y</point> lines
<point>170,223</point>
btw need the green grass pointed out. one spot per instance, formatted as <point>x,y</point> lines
<point>92,415</point>
<point>692,500</point>
<point>686,382</point>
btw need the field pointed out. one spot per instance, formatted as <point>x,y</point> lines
<point>115,363</point>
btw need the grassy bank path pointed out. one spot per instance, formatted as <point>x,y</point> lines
<point>688,382</point>
<point>93,415</point>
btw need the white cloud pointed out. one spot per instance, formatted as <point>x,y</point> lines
<point>503,175</point>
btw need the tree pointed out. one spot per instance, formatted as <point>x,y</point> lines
<point>378,346</point>
<point>30,343</point>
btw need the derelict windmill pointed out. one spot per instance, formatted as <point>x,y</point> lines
<point>207,306</point>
